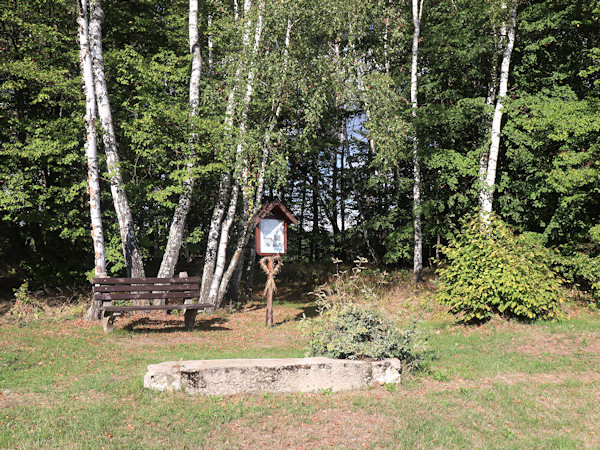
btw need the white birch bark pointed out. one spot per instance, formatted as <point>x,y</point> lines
<point>223,242</point>
<point>240,168</point>
<point>246,233</point>
<point>171,254</point>
<point>213,236</point>
<point>91,150</point>
<point>386,59</point>
<point>210,258</point>
<point>261,176</point>
<point>486,194</point>
<point>210,43</point>
<point>490,101</point>
<point>417,10</point>
<point>131,251</point>
<point>91,146</point>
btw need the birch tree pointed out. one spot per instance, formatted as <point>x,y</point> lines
<point>85,60</point>
<point>486,195</point>
<point>225,181</point>
<point>246,231</point>
<point>131,250</point>
<point>91,149</point>
<point>417,10</point>
<point>171,254</point>
<point>240,170</point>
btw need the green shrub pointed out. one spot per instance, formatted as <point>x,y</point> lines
<point>350,331</point>
<point>491,271</point>
<point>581,270</point>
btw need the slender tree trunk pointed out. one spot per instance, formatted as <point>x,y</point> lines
<point>91,149</point>
<point>171,254</point>
<point>301,220</point>
<point>131,250</point>
<point>222,248</point>
<point>210,44</point>
<point>250,268</point>
<point>343,196</point>
<point>490,101</point>
<point>315,212</point>
<point>217,290</point>
<point>243,239</point>
<point>233,290</point>
<point>486,194</point>
<point>213,236</point>
<point>210,258</point>
<point>334,193</point>
<point>417,10</point>
<point>91,146</point>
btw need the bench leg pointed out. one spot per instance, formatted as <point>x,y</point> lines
<point>108,319</point>
<point>190,319</point>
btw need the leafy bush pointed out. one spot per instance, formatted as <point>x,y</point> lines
<point>582,271</point>
<point>491,271</point>
<point>350,331</point>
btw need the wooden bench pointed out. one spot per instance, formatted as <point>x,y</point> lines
<point>184,290</point>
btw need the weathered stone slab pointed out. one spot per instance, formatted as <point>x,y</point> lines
<point>233,376</point>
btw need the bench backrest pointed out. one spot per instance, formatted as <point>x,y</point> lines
<point>106,289</point>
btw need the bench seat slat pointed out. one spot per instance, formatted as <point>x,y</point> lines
<point>105,281</point>
<point>156,307</point>
<point>144,296</point>
<point>151,287</point>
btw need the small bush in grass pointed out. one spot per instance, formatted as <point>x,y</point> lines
<point>491,271</point>
<point>351,331</point>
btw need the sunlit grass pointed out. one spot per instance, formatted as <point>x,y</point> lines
<point>504,384</point>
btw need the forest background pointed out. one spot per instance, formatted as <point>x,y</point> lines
<point>314,103</point>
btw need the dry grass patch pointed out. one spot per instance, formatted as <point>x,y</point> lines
<point>332,427</point>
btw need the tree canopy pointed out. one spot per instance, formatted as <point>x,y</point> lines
<point>308,102</point>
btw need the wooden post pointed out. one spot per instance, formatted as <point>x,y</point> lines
<point>269,289</point>
<point>271,265</point>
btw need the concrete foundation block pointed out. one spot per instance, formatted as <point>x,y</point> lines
<point>234,376</point>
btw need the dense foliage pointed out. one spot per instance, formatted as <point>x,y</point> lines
<point>491,271</point>
<point>340,150</point>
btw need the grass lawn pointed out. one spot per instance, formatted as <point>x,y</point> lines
<point>508,385</point>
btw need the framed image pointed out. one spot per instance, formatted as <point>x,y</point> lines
<point>271,237</point>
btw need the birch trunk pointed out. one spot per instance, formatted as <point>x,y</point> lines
<point>489,101</point>
<point>171,255</point>
<point>210,44</point>
<point>91,146</point>
<point>91,150</point>
<point>131,251</point>
<point>210,258</point>
<point>222,248</point>
<point>417,10</point>
<point>216,291</point>
<point>246,233</point>
<point>213,236</point>
<point>486,195</point>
